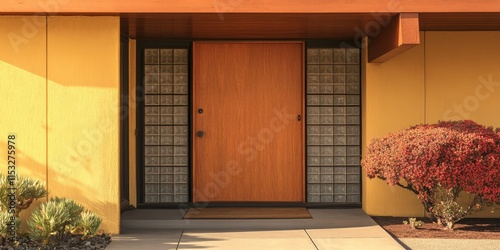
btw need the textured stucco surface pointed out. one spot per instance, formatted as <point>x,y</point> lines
<point>60,80</point>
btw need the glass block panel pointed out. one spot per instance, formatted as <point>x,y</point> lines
<point>312,79</point>
<point>181,178</point>
<point>352,56</point>
<point>339,150</point>
<point>339,178</point>
<point>180,89</point>
<point>180,198</point>
<point>152,161</point>
<point>180,56</point>
<point>152,170</point>
<point>339,188</point>
<point>339,170</point>
<point>326,161</point>
<point>152,140</point>
<point>339,161</point>
<point>339,99</point>
<point>326,198</point>
<point>152,198</point>
<point>332,123</point>
<point>151,56</point>
<point>313,178</point>
<point>325,56</point>
<point>166,198</point>
<point>325,69</point>
<point>339,56</point>
<point>326,99</point>
<point>351,89</point>
<point>352,178</point>
<point>353,150</point>
<point>353,170</point>
<point>152,89</point>
<point>313,170</point>
<point>326,178</point>
<point>166,56</point>
<point>352,110</point>
<point>313,188</point>
<point>167,178</point>
<point>326,170</point>
<point>339,140</point>
<point>181,189</point>
<point>166,104</point>
<point>151,70</point>
<point>352,69</point>
<point>353,160</point>
<point>352,119</point>
<point>326,188</point>
<point>180,69</point>
<point>152,178</point>
<point>339,198</point>
<point>312,100</point>
<point>151,100</point>
<point>313,198</point>
<point>167,170</point>
<point>328,89</point>
<point>326,140</point>
<point>353,198</point>
<point>312,69</point>
<point>313,56</point>
<point>353,189</point>
<point>339,79</point>
<point>167,188</point>
<point>327,151</point>
<point>313,89</point>
<point>339,69</point>
<point>152,188</point>
<point>352,99</point>
<point>326,79</point>
<point>313,161</point>
<point>352,80</point>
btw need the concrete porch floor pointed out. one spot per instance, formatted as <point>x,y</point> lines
<point>328,229</point>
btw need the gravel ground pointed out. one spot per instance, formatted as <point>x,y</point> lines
<point>455,244</point>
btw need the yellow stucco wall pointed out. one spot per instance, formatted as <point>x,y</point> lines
<point>63,83</point>
<point>449,76</point>
<point>23,94</point>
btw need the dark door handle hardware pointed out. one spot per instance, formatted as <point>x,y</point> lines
<point>200,133</point>
<point>299,118</point>
<point>200,111</point>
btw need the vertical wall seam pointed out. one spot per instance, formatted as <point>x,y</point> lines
<point>47,103</point>
<point>425,91</point>
<point>425,77</point>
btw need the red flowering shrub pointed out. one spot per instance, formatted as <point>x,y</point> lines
<point>439,161</point>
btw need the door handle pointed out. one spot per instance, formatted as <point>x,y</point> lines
<point>200,133</point>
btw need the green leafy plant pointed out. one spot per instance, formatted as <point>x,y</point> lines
<point>26,190</point>
<point>414,223</point>
<point>8,224</point>
<point>55,220</point>
<point>89,224</point>
<point>440,163</point>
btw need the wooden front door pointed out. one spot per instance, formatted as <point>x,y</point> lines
<point>248,130</point>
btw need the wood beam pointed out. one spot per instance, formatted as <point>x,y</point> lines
<point>88,7</point>
<point>400,35</point>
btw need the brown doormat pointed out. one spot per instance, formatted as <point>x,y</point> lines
<point>248,213</point>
